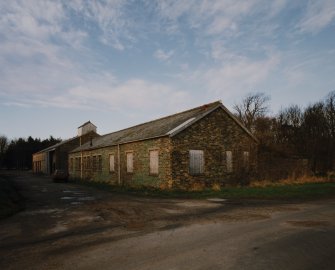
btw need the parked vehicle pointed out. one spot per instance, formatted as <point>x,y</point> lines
<point>60,176</point>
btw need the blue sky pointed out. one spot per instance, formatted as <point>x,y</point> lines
<point>120,63</point>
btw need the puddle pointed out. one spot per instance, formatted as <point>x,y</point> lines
<point>216,200</point>
<point>173,211</point>
<point>75,192</point>
<point>57,229</point>
<point>89,219</point>
<point>78,199</point>
<point>76,203</point>
<point>197,204</point>
<point>86,199</point>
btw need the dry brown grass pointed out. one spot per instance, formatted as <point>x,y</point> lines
<point>292,181</point>
<point>216,187</point>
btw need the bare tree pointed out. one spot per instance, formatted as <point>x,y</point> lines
<point>252,107</point>
<point>330,113</point>
<point>291,116</point>
<point>288,132</point>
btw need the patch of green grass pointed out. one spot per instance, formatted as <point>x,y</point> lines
<point>297,191</point>
<point>301,191</point>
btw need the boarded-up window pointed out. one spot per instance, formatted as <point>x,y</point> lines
<point>130,162</point>
<point>111,163</point>
<point>78,164</point>
<point>88,165</point>
<point>246,159</point>
<point>196,161</point>
<point>84,163</point>
<point>94,163</point>
<point>153,161</point>
<point>229,161</point>
<point>99,163</point>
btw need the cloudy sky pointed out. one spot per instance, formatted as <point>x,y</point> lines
<point>120,63</point>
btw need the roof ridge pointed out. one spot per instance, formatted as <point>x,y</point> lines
<point>56,144</point>
<point>87,122</point>
<point>167,116</point>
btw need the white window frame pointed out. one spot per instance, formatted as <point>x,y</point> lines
<point>153,161</point>
<point>130,161</point>
<point>196,162</point>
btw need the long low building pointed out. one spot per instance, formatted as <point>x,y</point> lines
<point>55,157</point>
<point>204,146</point>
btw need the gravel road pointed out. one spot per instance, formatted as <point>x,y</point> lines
<point>67,226</point>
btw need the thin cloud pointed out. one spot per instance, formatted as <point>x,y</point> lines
<point>319,14</point>
<point>110,17</point>
<point>240,76</point>
<point>162,55</point>
<point>136,94</point>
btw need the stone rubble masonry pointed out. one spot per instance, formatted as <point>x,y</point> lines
<point>141,174</point>
<point>215,134</point>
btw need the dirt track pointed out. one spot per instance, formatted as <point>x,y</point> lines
<point>66,226</point>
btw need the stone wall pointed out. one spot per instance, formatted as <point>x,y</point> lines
<point>215,134</point>
<point>140,175</point>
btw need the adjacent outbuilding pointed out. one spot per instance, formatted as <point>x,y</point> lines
<point>55,157</point>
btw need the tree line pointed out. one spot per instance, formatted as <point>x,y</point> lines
<point>17,153</point>
<point>306,133</point>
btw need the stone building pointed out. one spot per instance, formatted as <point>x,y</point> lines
<point>56,156</point>
<point>203,146</point>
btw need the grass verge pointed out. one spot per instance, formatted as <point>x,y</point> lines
<point>10,200</point>
<point>306,191</point>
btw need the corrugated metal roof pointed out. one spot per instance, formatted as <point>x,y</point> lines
<point>166,126</point>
